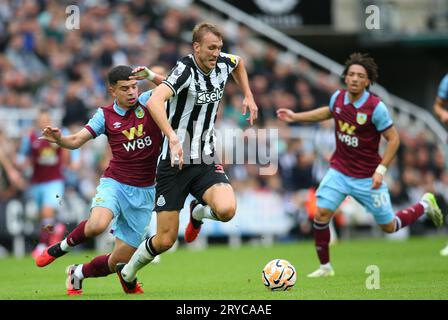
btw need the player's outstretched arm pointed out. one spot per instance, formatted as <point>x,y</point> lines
<point>73,141</point>
<point>241,78</point>
<point>142,72</point>
<point>315,115</point>
<point>156,106</point>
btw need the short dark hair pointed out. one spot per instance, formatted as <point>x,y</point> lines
<point>362,59</point>
<point>119,73</point>
<point>202,28</point>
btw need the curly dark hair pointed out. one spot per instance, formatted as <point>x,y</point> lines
<point>362,59</point>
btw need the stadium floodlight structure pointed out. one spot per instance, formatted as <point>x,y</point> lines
<point>406,114</point>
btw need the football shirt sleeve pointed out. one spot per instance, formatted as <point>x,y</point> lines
<point>443,88</point>
<point>333,99</point>
<point>144,97</point>
<point>96,124</point>
<point>178,78</point>
<point>381,118</point>
<point>231,60</point>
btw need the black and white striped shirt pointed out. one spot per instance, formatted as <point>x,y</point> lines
<point>192,109</point>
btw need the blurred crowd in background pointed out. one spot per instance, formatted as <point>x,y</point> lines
<point>45,65</point>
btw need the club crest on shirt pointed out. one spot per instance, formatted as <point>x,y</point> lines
<point>139,113</point>
<point>233,58</point>
<point>361,118</point>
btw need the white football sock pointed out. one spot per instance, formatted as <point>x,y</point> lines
<point>64,245</point>
<point>326,266</point>
<point>139,259</point>
<point>203,212</point>
<point>78,272</point>
<point>425,205</point>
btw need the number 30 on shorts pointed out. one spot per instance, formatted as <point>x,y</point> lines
<point>380,199</point>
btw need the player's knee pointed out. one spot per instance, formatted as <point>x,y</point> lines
<point>388,228</point>
<point>165,242</point>
<point>225,213</point>
<point>323,215</point>
<point>112,262</point>
<point>93,229</point>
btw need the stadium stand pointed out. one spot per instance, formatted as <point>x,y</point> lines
<point>45,65</point>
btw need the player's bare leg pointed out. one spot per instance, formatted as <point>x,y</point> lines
<point>221,207</point>
<point>121,254</point>
<point>166,236</point>
<point>322,241</point>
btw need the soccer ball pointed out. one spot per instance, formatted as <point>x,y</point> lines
<point>279,275</point>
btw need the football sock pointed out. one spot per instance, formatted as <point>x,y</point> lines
<point>322,240</point>
<point>56,251</point>
<point>407,216</point>
<point>326,266</point>
<point>425,205</point>
<point>144,254</point>
<point>203,212</point>
<point>78,272</point>
<point>77,236</point>
<point>98,267</point>
<point>64,245</point>
<point>44,235</point>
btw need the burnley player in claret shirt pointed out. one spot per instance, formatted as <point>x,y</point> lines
<point>46,161</point>
<point>356,168</point>
<point>126,191</point>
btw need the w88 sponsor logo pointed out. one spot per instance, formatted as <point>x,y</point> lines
<point>351,141</point>
<point>137,144</point>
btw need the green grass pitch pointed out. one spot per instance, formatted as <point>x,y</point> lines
<point>410,269</point>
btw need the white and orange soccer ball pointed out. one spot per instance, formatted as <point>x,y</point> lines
<point>279,275</point>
